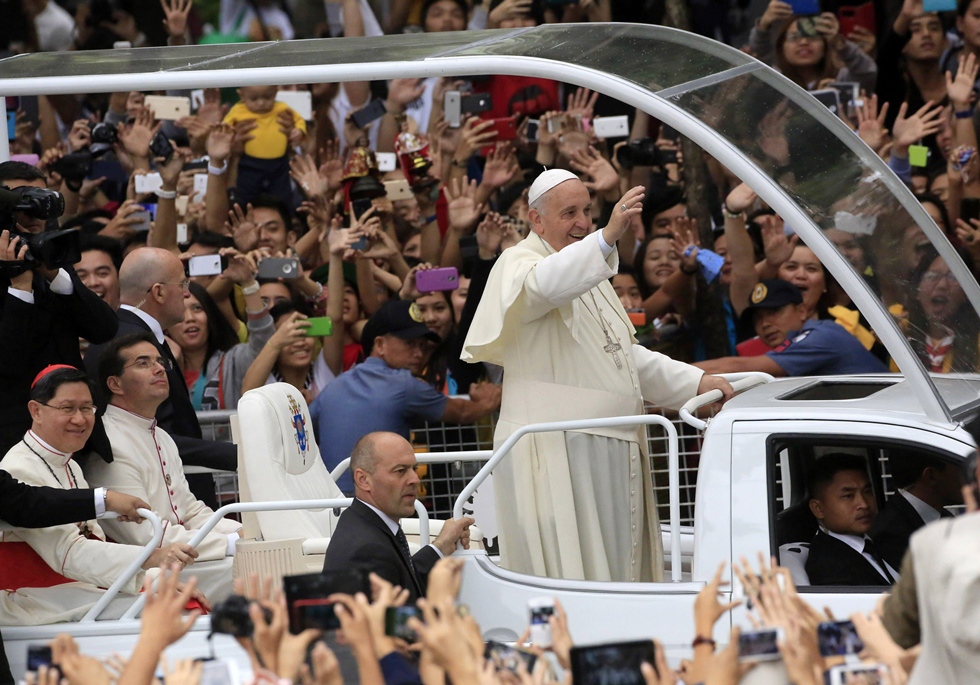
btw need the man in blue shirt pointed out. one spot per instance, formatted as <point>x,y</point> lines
<point>382,394</point>
<point>811,347</point>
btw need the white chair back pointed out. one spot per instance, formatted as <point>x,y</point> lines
<point>793,555</point>
<point>280,459</point>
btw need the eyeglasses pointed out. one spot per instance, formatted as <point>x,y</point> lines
<point>70,409</point>
<point>934,277</point>
<point>797,37</point>
<point>145,363</point>
<point>184,284</point>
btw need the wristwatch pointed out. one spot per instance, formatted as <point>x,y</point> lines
<point>250,289</point>
<point>729,214</point>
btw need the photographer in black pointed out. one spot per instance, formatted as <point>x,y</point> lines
<point>45,308</point>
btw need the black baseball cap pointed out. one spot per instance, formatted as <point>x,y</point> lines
<point>399,318</point>
<point>773,294</point>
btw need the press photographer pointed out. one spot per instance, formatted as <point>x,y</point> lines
<point>46,308</point>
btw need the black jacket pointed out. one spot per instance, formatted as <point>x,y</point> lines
<point>33,336</point>
<point>176,415</point>
<point>832,562</point>
<point>895,526</point>
<point>362,540</point>
<point>27,506</point>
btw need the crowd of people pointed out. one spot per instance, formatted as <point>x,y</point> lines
<point>390,250</point>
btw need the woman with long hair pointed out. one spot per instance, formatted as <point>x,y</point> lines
<point>214,362</point>
<point>942,327</point>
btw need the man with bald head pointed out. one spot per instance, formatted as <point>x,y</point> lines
<point>152,290</point>
<point>368,534</point>
<point>578,505</point>
<point>43,313</point>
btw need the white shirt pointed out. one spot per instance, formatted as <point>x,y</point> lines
<point>924,510</point>
<point>148,320</point>
<point>856,542</point>
<point>61,285</point>
<point>54,27</point>
<point>392,524</point>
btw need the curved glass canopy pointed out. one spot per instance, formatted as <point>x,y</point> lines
<point>801,159</point>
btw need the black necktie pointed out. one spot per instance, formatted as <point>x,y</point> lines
<point>872,550</point>
<point>403,545</point>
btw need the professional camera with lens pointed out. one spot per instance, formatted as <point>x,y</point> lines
<point>230,617</point>
<point>644,152</point>
<point>51,249</point>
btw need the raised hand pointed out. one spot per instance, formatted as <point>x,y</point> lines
<point>960,88</point>
<point>776,10</point>
<point>501,166</point>
<point>475,134</point>
<point>80,136</point>
<point>121,225</point>
<point>908,130</point>
<point>777,246</point>
<point>135,137</point>
<point>589,161</point>
<point>581,103</point>
<point>630,206</point>
<point>489,235</point>
<point>871,122</point>
<point>220,143</point>
<point>163,621</point>
<point>302,169</point>
<point>292,330</point>
<point>404,91</point>
<point>507,10</point>
<point>464,211</point>
<point>741,198</point>
<point>175,19</point>
<point>242,227</point>
<point>331,165</point>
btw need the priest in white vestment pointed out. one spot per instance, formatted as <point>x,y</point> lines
<point>578,505</point>
<point>57,573</point>
<point>146,463</point>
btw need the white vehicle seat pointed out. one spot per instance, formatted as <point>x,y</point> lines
<point>278,459</point>
<point>793,555</point>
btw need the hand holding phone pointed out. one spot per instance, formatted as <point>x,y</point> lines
<point>540,611</point>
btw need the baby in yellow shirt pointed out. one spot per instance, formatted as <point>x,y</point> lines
<point>264,168</point>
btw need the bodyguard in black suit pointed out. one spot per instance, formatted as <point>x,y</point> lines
<point>834,562</point>
<point>368,534</point>
<point>844,504</point>
<point>153,287</point>
<point>932,484</point>
<point>363,540</point>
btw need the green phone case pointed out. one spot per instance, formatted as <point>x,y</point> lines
<point>319,326</point>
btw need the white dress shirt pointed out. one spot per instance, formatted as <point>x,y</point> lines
<point>148,320</point>
<point>392,524</point>
<point>924,510</point>
<point>60,285</point>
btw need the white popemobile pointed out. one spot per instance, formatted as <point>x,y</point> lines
<point>757,451</point>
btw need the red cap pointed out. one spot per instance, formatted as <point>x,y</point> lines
<point>48,369</point>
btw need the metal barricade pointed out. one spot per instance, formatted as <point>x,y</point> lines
<point>442,483</point>
<point>216,425</point>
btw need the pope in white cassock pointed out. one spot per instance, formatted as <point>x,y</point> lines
<point>578,505</point>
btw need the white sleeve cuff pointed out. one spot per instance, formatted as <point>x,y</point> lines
<point>22,295</point>
<point>603,245</point>
<point>232,540</point>
<point>438,551</point>
<point>62,284</point>
<point>99,502</point>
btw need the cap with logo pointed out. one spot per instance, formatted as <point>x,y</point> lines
<point>399,318</point>
<point>773,294</point>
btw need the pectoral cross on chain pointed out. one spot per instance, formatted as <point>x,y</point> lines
<point>613,348</point>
